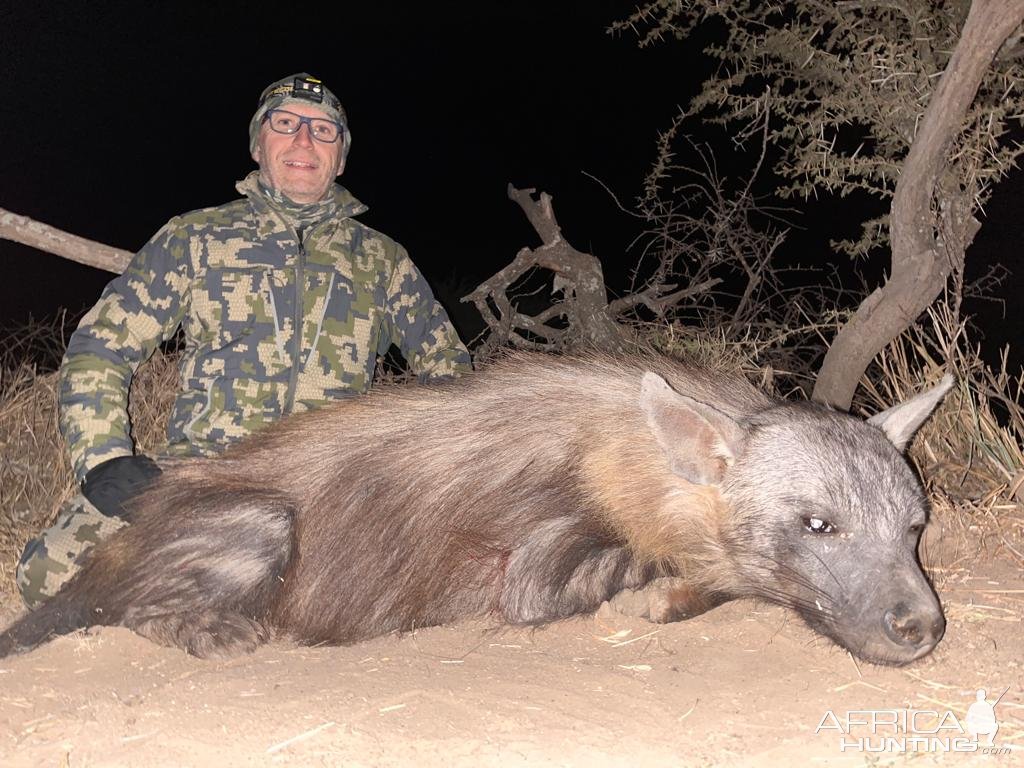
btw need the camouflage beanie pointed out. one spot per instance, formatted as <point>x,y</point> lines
<point>300,89</point>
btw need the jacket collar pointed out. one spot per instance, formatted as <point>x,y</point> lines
<point>268,219</point>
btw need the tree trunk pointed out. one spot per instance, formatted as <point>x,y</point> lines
<point>920,263</point>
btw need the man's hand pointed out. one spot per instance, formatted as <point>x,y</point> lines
<point>110,484</point>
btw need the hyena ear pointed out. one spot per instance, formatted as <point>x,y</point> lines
<point>700,441</point>
<point>904,419</point>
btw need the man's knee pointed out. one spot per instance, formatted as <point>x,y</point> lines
<point>53,557</point>
<point>38,575</point>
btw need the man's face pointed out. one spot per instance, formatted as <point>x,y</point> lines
<point>296,164</point>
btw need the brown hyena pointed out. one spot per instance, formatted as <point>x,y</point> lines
<point>531,491</point>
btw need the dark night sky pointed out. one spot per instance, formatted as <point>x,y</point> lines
<point>116,117</point>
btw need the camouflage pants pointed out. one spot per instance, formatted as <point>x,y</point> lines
<point>53,557</point>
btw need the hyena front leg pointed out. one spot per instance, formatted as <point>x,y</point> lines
<point>561,571</point>
<point>666,599</point>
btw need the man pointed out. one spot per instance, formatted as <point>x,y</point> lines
<point>285,301</point>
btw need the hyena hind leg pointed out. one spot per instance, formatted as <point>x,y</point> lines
<point>205,583</point>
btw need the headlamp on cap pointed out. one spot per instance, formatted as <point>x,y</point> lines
<point>302,88</point>
<point>308,88</point>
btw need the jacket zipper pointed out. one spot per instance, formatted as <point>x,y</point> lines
<point>296,327</point>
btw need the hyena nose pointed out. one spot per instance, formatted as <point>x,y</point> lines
<point>907,627</point>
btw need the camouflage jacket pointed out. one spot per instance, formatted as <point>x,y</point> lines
<point>272,325</point>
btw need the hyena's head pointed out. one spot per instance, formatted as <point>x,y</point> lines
<point>824,513</point>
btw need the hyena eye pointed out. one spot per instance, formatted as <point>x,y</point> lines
<point>817,525</point>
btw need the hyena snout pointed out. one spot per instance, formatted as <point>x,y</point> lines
<point>897,623</point>
<point>914,628</point>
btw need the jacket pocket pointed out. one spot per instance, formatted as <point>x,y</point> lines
<point>239,316</point>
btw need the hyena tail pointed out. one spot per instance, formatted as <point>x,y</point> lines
<point>202,581</point>
<point>57,616</point>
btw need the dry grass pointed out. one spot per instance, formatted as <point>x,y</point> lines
<point>966,450</point>
<point>35,475</point>
<point>34,471</point>
<point>970,454</point>
<point>717,351</point>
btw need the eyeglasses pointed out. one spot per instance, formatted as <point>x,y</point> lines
<point>321,129</point>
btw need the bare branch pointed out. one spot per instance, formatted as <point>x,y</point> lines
<point>22,229</point>
<point>577,298</point>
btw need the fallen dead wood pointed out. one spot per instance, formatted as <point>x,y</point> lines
<point>22,229</point>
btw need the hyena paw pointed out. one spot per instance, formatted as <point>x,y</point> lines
<point>206,634</point>
<point>631,602</point>
<point>661,601</point>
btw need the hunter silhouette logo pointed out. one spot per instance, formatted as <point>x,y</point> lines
<point>917,730</point>
<point>981,717</point>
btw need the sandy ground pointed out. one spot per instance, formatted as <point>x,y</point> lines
<point>745,684</point>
